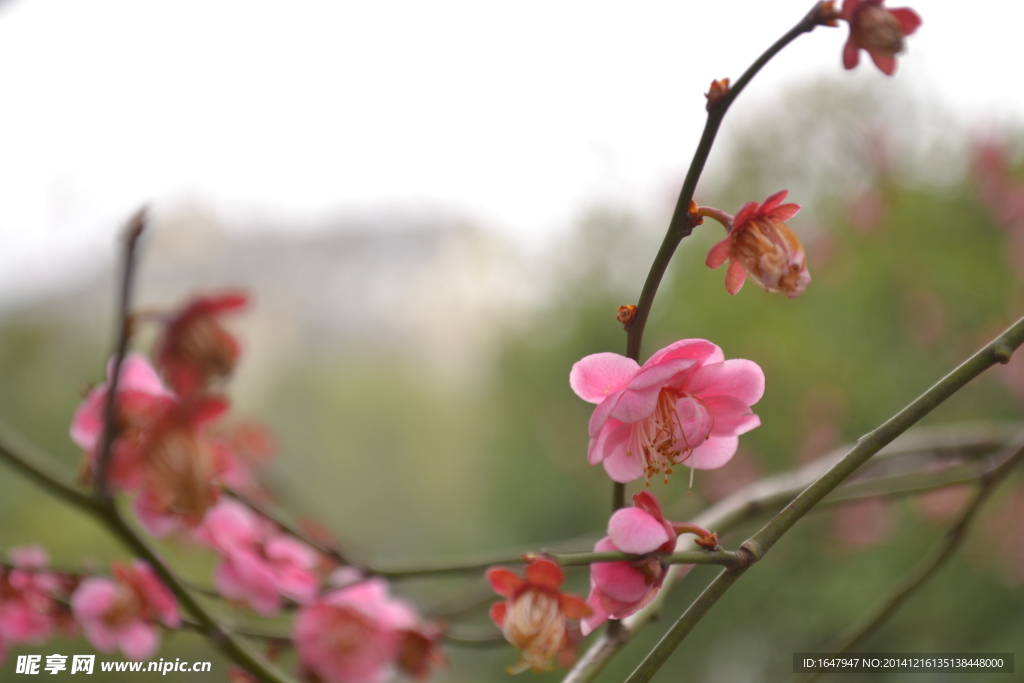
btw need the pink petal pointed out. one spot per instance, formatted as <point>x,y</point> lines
<point>885,62</point>
<point>229,525</point>
<point>695,421</point>
<point>785,212</point>
<point>634,531</point>
<point>646,501</point>
<point>741,379</point>
<point>612,437</point>
<point>92,598</point>
<point>28,557</point>
<point>714,453</point>
<point>908,19</point>
<point>735,277</point>
<point>620,581</point>
<point>851,54</point>
<point>596,376</point>
<point>157,595</point>
<point>597,617</point>
<point>773,201</point>
<point>285,549</point>
<point>137,374</point>
<point>572,607</point>
<point>498,611</point>
<point>602,413</point>
<point>139,641</point>
<point>849,9</point>
<point>719,253</point>
<point>150,518</point>
<point>623,468</point>
<point>87,422</point>
<point>700,350</point>
<point>745,213</point>
<point>732,416</point>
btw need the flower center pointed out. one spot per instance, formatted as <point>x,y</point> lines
<point>878,30</point>
<point>679,424</point>
<point>536,626</point>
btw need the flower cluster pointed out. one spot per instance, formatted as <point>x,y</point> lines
<point>31,599</point>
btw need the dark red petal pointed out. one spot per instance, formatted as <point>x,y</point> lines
<point>851,54</point>
<point>743,215</point>
<point>849,9</point>
<point>908,18</point>
<point>884,61</point>
<point>646,501</point>
<point>504,582</point>
<point>544,573</point>
<point>773,201</point>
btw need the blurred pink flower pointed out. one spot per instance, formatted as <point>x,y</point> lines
<point>760,244</point>
<point>123,613</point>
<point>687,405</point>
<point>534,614</point>
<point>141,400</point>
<point>259,564</point>
<point>618,589</point>
<point>354,634</point>
<point>878,30</point>
<point>194,348</point>
<point>864,523</point>
<point>27,608</point>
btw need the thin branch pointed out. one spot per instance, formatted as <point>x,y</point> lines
<point>679,227</point>
<point>914,581</point>
<point>998,351</point>
<point>484,638</point>
<point>132,233</point>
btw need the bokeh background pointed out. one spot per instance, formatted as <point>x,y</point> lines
<point>419,297</point>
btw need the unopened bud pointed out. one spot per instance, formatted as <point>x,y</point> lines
<point>626,315</point>
<point>718,90</point>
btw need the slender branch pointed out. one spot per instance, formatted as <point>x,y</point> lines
<point>916,579</point>
<point>769,494</point>
<point>485,638</point>
<point>679,227</point>
<point>132,233</point>
<point>998,351</point>
<point>294,531</point>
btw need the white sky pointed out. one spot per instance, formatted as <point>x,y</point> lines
<point>516,113</point>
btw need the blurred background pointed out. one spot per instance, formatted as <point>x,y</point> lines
<point>438,208</point>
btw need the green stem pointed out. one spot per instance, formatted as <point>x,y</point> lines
<point>998,351</point>
<point>913,582</point>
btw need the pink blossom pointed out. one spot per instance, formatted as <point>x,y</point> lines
<point>534,615</point>
<point>619,589</point>
<point>687,405</point>
<point>353,634</point>
<point>259,564</point>
<point>122,613</point>
<point>761,245</point>
<point>878,30</point>
<point>28,613</point>
<point>194,348</point>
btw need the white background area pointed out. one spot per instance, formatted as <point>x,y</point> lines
<point>517,114</point>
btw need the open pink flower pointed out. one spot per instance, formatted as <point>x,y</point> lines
<point>194,348</point>
<point>259,564</point>
<point>354,634</point>
<point>687,405</point>
<point>122,613</point>
<point>618,589</point>
<point>760,244</point>
<point>534,614</point>
<point>878,30</point>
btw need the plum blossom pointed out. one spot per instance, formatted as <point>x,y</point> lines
<point>534,615</point>
<point>357,634</point>
<point>28,613</point>
<point>195,348</point>
<point>160,447</point>
<point>123,612</point>
<point>259,564</point>
<point>878,30</point>
<point>761,245</point>
<point>687,405</point>
<point>619,589</point>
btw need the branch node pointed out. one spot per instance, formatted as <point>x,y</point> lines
<point>749,553</point>
<point>1002,352</point>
